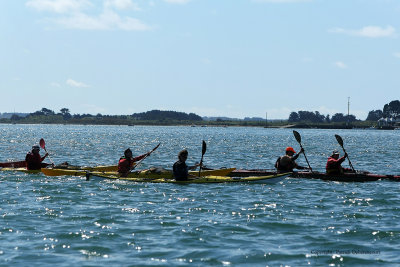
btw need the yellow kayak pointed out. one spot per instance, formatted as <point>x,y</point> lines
<point>78,171</point>
<point>270,179</point>
<point>149,173</point>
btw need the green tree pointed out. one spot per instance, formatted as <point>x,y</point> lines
<point>294,117</point>
<point>392,110</point>
<point>65,113</point>
<point>374,115</point>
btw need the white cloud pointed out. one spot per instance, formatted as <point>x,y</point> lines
<point>397,54</point>
<point>121,4</point>
<point>340,65</point>
<point>177,1</point>
<point>105,21</point>
<point>74,83</point>
<point>368,31</point>
<point>58,6</point>
<point>73,16</point>
<point>281,1</point>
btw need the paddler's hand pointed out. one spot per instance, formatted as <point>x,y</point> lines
<point>345,155</point>
<point>194,166</point>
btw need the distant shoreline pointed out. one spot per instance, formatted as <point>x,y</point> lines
<point>218,124</point>
<point>301,119</point>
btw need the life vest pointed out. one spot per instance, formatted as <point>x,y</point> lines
<point>124,165</point>
<point>333,166</point>
<point>33,161</point>
<point>285,164</point>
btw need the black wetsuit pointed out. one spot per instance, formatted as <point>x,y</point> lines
<point>180,170</point>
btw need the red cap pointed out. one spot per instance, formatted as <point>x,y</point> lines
<point>289,148</point>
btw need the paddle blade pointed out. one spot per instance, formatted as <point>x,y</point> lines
<point>339,139</point>
<point>156,147</point>
<point>297,136</point>
<point>42,143</point>
<point>204,148</point>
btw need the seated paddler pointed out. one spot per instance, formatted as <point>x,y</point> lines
<point>126,162</point>
<point>334,164</point>
<point>34,160</point>
<point>180,169</point>
<point>287,162</point>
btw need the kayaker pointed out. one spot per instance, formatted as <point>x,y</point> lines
<point>34,160</point>
<point>180,169</point>
<point>287,162</point>
<point>333,165</point>
<point>125,163</point>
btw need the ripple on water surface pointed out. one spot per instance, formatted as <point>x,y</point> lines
<point>68,221</point>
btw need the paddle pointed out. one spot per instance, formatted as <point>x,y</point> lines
<point>42,144</point>
<point>298,138</point>
<point>340,141</point>
<point>148,154</point>
<point>203,151</point>
<point>88,173</point>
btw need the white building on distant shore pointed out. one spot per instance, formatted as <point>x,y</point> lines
<point>388,122</point>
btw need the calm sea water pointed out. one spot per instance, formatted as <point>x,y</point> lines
<point>67,221</point>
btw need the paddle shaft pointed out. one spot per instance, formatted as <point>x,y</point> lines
<point>351,165</point>
<point>140,161</point>
<point>298,139</point>
<point>203,151</point>
<point>340,141</point>
<point>42,144</point>
<point>304,153</point>
<point>201,163</point>
<point>48,155</point>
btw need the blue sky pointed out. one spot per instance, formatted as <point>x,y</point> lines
<point>234,58</point>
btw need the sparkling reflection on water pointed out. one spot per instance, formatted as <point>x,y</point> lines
<point>68,221</point>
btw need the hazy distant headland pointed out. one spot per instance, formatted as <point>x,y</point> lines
<point>388,117</point>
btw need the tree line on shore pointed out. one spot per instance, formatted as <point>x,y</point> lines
<point>46,115</point>
<point>158,117</point>
<point>390,110</point>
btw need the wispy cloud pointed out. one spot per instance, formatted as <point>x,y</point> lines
<point>121,4</point>
<point>340,65</point>
<point>106,21</point>
<point>368,31</point>
<point>74,83</point>
<point>177,1</point>
<point>78,14</point>
<point>397,54</point>
<point>281,1</point>
<point>58,6</point>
